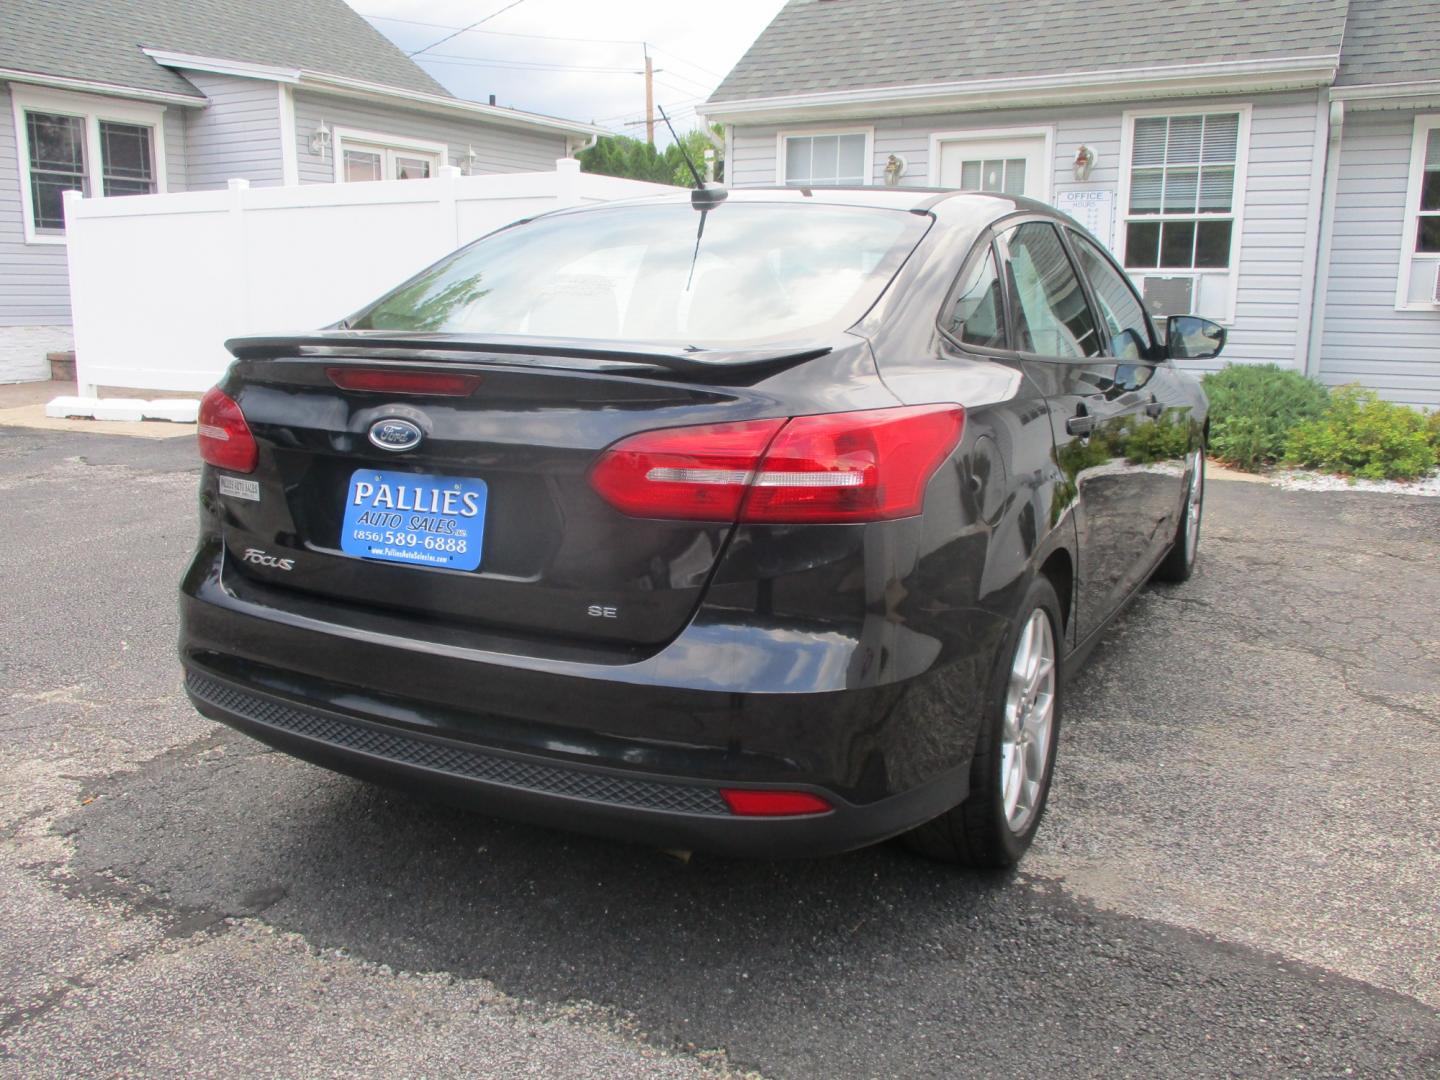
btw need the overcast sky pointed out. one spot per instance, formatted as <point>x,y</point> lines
<point>576,59</point>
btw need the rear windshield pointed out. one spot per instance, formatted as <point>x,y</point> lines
<point>754,272</point>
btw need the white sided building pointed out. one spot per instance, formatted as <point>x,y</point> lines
<point>1270,164</point>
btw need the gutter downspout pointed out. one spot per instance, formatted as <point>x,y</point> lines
<point>1328,192</point>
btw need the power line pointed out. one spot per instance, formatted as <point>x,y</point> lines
<point>536,37</point>
<point>522,60</point>
<point>464,29</point>
<point>692,96</point>
<point>505,33</point>
<point>695,84</point>
<point>683,60</point>
<point>488,61</point>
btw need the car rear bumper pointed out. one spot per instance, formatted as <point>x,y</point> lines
<point>634,749</point>
<point>624,804</point>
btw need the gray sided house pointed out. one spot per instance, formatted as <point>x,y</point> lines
<point>1272,164</point>
<point>132,97</point>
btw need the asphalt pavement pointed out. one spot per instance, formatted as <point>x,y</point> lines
<point>1239,874</point>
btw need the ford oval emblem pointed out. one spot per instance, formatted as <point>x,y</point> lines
<point>393,433</point>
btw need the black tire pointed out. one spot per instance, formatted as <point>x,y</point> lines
<point>976,832</point>
<point>1179,563</point>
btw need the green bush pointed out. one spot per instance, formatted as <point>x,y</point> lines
<point>1432,430</point>
<point>1361,435</point>
<point>1252,409</point>
<point>1169,439</point>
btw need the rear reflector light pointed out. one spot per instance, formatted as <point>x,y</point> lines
<point>858,466</point>
<point>420,383</point>
<point>747,802</point>
<point>224,436</point>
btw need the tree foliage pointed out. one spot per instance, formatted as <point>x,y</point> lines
<point>620,155</point>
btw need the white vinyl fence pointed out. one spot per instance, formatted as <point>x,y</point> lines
<point>158,282</point>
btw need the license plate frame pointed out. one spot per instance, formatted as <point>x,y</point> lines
<point>415,519</point>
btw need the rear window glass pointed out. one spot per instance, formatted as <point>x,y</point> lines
<point>754,272</point>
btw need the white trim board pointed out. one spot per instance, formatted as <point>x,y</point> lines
<point>1423,126</point>
<point>1388,95</point>
<point>243,69</point>
<point>89,86</point>
<point>1122,84</point>
<point>1242,173</point>
<point>1046,131</point>
<point>289,149</point>
<point>362,89</point>
<point>93,110</point>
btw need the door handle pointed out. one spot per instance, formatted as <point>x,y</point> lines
<point>1081,424</point>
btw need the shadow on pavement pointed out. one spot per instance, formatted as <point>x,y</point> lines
<point>874,963</point>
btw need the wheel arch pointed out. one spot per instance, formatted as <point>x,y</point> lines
<point>1059,568</point>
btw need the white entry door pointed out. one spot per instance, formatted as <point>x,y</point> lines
<point>1014,165</point>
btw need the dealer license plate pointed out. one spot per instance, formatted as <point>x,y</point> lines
<point>414,518</point>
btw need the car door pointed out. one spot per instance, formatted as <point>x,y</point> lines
<point>1156,437</point>
<point>1094,400</point>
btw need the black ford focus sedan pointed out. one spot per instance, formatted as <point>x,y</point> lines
<point>768,524</point>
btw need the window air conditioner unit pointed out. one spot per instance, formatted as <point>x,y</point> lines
<point>1169,296</point>
<point>1166,296</point>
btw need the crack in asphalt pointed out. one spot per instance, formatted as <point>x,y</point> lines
<point>873,964</point>
<point>518,940</point>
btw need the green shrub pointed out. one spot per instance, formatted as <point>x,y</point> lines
<point>1360,434</point>
<point>1165,440</point>
<point>1432,431</point>
<point>1252,409</point>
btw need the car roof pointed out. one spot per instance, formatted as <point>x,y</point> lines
<point>890,198</point>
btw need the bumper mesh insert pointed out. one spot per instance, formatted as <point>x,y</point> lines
<point>407,749</point>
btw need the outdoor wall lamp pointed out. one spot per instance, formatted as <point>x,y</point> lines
<point>1085,158</point>
<point>472,161</point>
<point>320,140</point>
<point>895,167</point>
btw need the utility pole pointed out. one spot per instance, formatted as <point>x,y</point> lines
<point>649,97</point>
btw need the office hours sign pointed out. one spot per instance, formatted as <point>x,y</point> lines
<point>1093,208</point>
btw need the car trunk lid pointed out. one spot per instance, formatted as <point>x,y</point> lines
<point>554,558</point>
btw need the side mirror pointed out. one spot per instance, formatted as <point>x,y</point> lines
<point>1131,377</point>
<point>1189,337</point>
<point>1129,345</point>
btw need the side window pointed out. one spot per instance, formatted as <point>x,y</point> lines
<point>1053,318</point>
<point>978,314</point>
<point>1126,328</point>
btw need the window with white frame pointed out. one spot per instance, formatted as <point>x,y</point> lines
<point>363,156</point>
<point>1427,215</point>
<point>1427,211</point>
<point>71,142</point>
<point>1419,284</point>
<point>1182,192</point>
<point>825,159</point>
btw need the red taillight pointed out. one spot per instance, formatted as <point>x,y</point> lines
<point>385,381</point>
<point>748,802</point>
<point>692,473</point>
<point>858,466</point>
<point>225,439</point>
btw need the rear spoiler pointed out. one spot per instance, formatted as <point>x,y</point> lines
<point>688,363</point>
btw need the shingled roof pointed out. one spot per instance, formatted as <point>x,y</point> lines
<point>101,40</point>
<point>1390,41</point>
<point>814,46</point>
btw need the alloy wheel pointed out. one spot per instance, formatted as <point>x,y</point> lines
<point>1029,716</point>
<point>1194,505</point>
